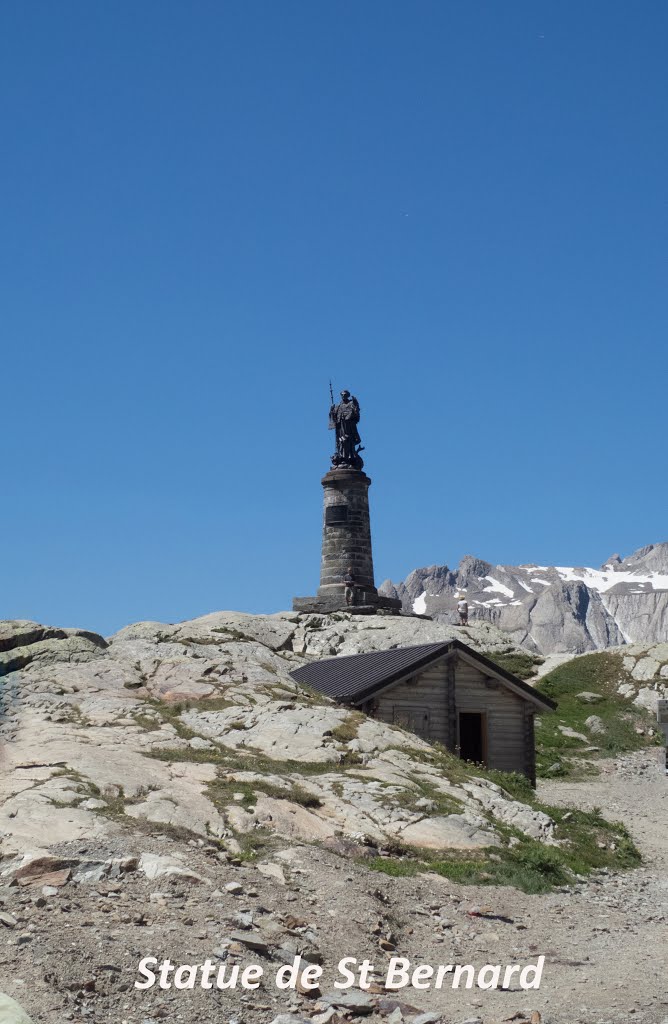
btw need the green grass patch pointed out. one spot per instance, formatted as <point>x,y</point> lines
<point>249,760</point>
<point>348,729</point>
<point>171,711</point>
<point>600,673</point>
<point>441,803</point>
<point>396,867</point>
<point>520,663</point>
<point>587,842</point>
<point>230,633</point>
<point>256,843</point>
<point>514,783</point>
<point>438,756</point>
<point>310,696</point>
<point>115,802</point>
<point>148,723</point>
<point>170,714</point>
<point>222,793</point>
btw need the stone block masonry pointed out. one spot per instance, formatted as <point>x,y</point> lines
<point>346,544</point>
<point>346,531</point>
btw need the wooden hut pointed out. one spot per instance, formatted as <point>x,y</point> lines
<point>444,692</point>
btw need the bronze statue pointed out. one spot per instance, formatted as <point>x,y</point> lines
<point>343,418</point>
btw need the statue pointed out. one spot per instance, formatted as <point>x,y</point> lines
<point>343,418</point>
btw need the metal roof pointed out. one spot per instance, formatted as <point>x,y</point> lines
<point>354,678</point>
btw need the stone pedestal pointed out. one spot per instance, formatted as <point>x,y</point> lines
<point>346,532</point>
<point>346,543</point>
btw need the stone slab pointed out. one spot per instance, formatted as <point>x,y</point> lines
<point>337,603</point>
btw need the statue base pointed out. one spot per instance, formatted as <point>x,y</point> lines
<point>366,604</point>
<point>346,548</point>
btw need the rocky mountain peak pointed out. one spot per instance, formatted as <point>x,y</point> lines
<point>472,568</point>
<point>552,609</point>
<point>653,557</point>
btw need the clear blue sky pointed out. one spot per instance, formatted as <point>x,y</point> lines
<point>455,209</point>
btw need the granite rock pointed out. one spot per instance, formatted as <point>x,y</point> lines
<point>99,745</point>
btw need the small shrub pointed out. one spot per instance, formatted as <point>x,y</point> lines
<point>396,867</point>
<point>348,729</point>
<point>519,663</point>
<point>514,783</point>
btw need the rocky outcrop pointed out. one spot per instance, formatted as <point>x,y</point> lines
<point>198,727</point>
<point>11,1012</point>
<point>648,670</point>
<point>551,609</point>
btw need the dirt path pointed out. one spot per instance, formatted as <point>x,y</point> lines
<point>631,789</point>
<point>620,922</point>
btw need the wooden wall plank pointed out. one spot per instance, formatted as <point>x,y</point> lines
<point>453,685</point>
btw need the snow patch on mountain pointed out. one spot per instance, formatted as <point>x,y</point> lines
<point>627,637</point>
<point>551,609</point>
<point>499,587</point>
<point>605,579</point>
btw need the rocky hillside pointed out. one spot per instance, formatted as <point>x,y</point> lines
<point>171,791</point>
<point>607,704</point>
<point>198,727</point>
<point>551,608</point>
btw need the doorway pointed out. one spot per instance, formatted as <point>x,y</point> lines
<point>472,737</point>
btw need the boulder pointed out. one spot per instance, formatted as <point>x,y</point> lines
<point>292,820</point>
<point>589,697</point>
<point>11,1012</point>
<point>572,734</point>
<point>155,866</point>
<point>453,832</point>
<point>646,668</point>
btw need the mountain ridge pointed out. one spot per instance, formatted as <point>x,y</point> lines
<point>551,609</point>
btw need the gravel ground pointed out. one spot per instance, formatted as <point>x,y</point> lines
<point>70,953</point>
